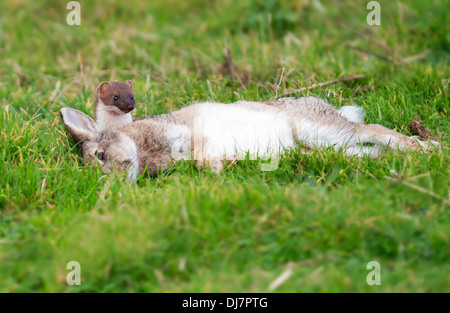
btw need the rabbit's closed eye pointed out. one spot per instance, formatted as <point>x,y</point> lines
<point>100,155</point>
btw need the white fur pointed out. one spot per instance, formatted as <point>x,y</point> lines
<point>131,150</point>
<point>179,137</point>
<point>323,135</point>
<point>231,132</point>
<point>360,151</point>
<point>353,113</point>
<point>109,116</point>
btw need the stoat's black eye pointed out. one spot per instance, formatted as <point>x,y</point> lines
<point>132,97</point>
<point>116,98</point>
<point>100,155</point>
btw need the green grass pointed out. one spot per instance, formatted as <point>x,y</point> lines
<point>322,215</point>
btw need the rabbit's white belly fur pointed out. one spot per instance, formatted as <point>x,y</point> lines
<point>232,131</point>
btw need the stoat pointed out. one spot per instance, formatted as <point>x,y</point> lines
<point>114,102</point>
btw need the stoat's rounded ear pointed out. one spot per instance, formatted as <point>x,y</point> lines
<point>128,82</point>
<point>102,88</point>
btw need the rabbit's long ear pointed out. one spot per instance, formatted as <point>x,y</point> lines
<point>80,126</point>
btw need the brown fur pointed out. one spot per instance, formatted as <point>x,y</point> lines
<point>106,92</point>
<point>153,149</point>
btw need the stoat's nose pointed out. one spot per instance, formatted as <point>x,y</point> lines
<point>128,108</point>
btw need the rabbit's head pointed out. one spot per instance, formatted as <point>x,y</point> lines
<point>111,149</point>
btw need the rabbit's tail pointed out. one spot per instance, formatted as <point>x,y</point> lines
<point>353,113</point>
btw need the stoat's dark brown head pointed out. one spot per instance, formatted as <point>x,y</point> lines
<point>117,94</point>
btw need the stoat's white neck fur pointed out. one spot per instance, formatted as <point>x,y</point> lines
<point>110,116</point>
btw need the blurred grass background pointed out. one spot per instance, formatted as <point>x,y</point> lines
<point>320,216</point>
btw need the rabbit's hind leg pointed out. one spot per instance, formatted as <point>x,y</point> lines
<point>374,133</point>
